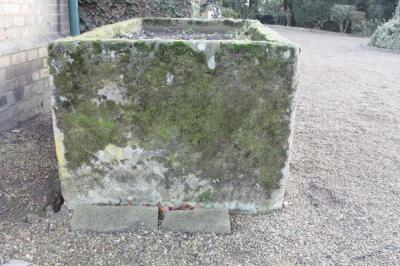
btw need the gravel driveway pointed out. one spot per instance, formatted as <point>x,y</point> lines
<point>343,199</point>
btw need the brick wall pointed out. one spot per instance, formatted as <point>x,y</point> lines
<point>26,26</point>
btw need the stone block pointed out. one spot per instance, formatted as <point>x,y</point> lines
<point>3,101</point>
<point>32,54</point>
<point>8,118</point>
<point>44,73</point>
<point>36,75</point>
<point>6,21</point>
<point>3,75</point>
<point>107,219</point>
<point>43,52</point>
<point>29,107</point>
<point>198,221</point>
<point>5,61</point>
<point>18,58</point>
<point>18,21</point>
<point>19,81</point>
<point>2,34</point>
<point>22,69</point>
<point>19,93</point>
<point>173,120</point>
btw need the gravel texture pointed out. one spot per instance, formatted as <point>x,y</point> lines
<point>28,171</point>
<point>343,197</point>
<point>176,35</point>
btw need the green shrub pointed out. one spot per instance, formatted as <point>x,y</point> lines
<point>309,13</point>
<point>312,13</point>
<point>361,5</point>
<point>244,8</point>
<point>343,15</point>
<point>365,27</point>
<point>381,9</point>
<point>388,35</point>
<point>228,12</point>
<point>274,9</point>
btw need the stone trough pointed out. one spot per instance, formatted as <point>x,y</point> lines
<point>205,121</point>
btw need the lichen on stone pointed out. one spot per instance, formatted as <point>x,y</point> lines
<point>218,110</point>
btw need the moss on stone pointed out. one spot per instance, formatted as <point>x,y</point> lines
<point>206,196</point>
<point>233,116</point>
<point>226,125</point>
<point>159,21</point>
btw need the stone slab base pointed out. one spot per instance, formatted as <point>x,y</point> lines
<point>107,219</point>
<point>198,221</point>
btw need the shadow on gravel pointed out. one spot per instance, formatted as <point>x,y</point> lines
<point>28,178</point>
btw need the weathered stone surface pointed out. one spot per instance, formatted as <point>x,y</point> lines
<point>198,221</point>
<point>174,121</point>
<point>114,218</point>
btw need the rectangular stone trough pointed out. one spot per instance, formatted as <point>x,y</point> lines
<point>174,111</point>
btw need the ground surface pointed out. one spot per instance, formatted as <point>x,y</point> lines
<point>342,200</point>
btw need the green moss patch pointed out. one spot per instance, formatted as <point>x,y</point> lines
<point>224,124</point>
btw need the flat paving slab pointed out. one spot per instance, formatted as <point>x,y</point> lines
<point>198,221</point>
<point>107,219</point>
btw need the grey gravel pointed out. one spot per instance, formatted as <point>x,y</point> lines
<point>343,197</point>
<point>108,219</point>
<point>198,221</point>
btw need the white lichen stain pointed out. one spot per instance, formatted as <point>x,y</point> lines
<point>211,62</point>
<point>116,173</point>
<point>58,64</point>
<point>121,172</point>
<point>113,92</point>
<point>108,54</point>
<point>63,99</point>
<point>169,78</point>
<point>201,46</point>
<point>286,55</point>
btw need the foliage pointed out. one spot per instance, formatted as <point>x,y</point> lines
<point>310,13</point>
<point>388,35</point>
<point>316,13</point>
<point>245,8</point>
<point>366,27</point>
<point>398,9</point>
<point>361,5</point>
<point>343,15</point>
<point>228,12</point>
<point>275,10</point>
<point>381,9</point>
